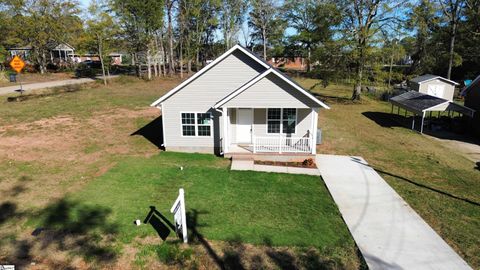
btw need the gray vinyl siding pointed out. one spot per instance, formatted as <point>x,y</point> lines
<point>448,91</point>
<point>202,93</point>
<point>271,92</point>
<point>304,122</point>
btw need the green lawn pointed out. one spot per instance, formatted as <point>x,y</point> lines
<point>251,207</point>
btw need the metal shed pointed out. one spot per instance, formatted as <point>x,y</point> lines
<point>419,104</point>
<point>434,85</point>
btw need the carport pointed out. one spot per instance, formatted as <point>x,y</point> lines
<point>420,104</point>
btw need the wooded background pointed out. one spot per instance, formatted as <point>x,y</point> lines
<point>358,41</point>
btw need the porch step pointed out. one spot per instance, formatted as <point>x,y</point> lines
<point>242,157</point>
<point>242,163</point>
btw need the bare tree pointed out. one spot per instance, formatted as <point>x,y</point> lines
<point>262,16</point>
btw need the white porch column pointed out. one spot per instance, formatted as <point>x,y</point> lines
<point>314,130</point>
<point>225,142</point>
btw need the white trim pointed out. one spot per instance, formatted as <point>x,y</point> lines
<point>430,108</point>
<point>225,118</point>
<point>261,76</point>
<point>301,90</point>
<point>205,69</point>
<point>243,88</point>
<point>251,126</point>
<point>314,132</point>
<point>163,124</point>
<point>437,77</point>
<point>196,125</point>
<point>281,121</point>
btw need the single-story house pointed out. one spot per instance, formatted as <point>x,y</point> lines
<point>471,94</point>
<point>57,52</point>
<point>239,103</point>
<point>434,85</point>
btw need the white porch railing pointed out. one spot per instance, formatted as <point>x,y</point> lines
<point>282,144</point>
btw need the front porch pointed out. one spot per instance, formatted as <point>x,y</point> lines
<point>283,131</point>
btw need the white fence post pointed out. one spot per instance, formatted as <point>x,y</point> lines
<point>280,144</point>
<point>179,214</point>
<point>254,144</point>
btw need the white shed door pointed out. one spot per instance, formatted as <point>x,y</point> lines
<point>436,90</point>
<point>244,125</point>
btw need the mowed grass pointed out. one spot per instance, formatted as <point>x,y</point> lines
<point>278,209</point>
<point>439,182</point>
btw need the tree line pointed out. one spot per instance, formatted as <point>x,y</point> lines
<point>366,41</point>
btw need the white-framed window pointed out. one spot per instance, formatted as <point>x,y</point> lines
<point>196,124</point>
<point>281,120</point>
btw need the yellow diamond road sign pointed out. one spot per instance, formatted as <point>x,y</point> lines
<point>17,64</point>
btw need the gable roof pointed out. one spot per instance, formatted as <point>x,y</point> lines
<point>470,86</point>
<point>429,77</point>
<point>271,70</point>
<point>208,67</point>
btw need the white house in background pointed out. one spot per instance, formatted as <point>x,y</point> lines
<point>434,85</point>
<point>239,103</point>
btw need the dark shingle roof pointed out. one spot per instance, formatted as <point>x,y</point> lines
<point>429,77</point>
<point>416,101</point>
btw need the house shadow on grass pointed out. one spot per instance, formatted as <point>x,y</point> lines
<point>436,190</point>
<point>153,132</point>
<point>73,227</point>
<point>235,254</point>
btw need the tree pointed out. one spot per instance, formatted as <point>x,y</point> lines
<point>101,30</point>
<point>362,20</point>
<point>263,19</point>
<point>313,22</point>
<point>140,20</point>
<point>424,22</point>
<point>231,19</point>
<point>453,9</point>
<point>43,24</point>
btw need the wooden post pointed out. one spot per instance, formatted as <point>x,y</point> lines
<point>392,109</point>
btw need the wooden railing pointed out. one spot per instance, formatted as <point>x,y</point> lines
<point>282,144</point>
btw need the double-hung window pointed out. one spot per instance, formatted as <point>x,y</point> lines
<point>281,120</point>
<point>196,124</point>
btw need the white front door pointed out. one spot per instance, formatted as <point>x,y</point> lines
<point>244,125</point>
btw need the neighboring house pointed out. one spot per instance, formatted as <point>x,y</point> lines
<point>57,52</point>
<point>239,103</point>
<point>471,93</point>
<point>434,85</point>
<point>294,63</point>
<point>116,58</point>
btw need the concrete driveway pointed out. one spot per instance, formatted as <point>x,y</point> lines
<point>388,232</point>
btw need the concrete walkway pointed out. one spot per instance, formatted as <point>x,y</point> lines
<point>388,232</point>
<point>43,85</point>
